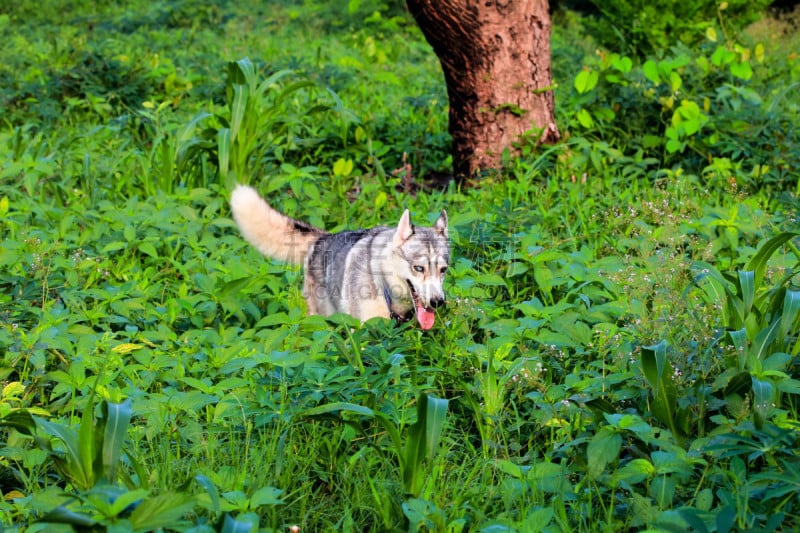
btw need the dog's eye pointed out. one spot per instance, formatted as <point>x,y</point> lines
<point>418,268</point>
<point>443,270</point>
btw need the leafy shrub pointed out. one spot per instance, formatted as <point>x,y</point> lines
<point>269,123</point>
<point>761,325</point>
<point>700,111</point>
<point>94,83</point>
<point>641,28</point>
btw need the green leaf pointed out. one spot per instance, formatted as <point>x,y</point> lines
<point>273,79</point>
<point>739,341</point>
<point>636,471</point>
<point>760,349</point>
<point>711,281</point>
<point>89,443</point>
<point>658,373</point>
<point>789,317</point>
<point>289,91</point>
<point>674,145</point>
<point>419,513</point>
<point>549,477</point>
<point>586,80</point>
<point>243,524</point>
<point>758,263</point>
<point>544,281</point>
<point>62,515</point>
<point>435,419</point>
<point>224,154</point>
<point>343,167</point>
<point>238,110</point>
<point>777,363</point>
<point>741,69</point>
<point>603,449</point>
<point>762,401</point>
<point>117,419</point>
<point>241,72</point>
<point>337,407</point>
<point>73,466</point>
<point>688,119</point>
<point>650,69</point>
<point>113,246</point>
<point>654,360</point>
<point>265,496</point>
<point>740,384</point>
<point>198,384</point>
<point>516,268</point>
<point>726,518</point>
<point>662,489</point>
<point>20,419</point>
<point>789,386</point>
<point>537,520</point>
<point>675,81</point>
<point>722,56</point>
<point>719,293</point>
<point>704,499</point>
<point>747,288</point>
<point>147,248</point>
<point>512,469</point>
<point>584,118</point>
<point>623,64</point>
<point>163,511</point>
<point>491,280</point>
<point>121,499</point>
<point>422,441</point>
<point>212,491</point>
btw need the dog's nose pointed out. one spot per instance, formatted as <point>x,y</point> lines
<point>437,301</point>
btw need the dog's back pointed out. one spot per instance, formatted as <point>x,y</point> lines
<point>337,261</point>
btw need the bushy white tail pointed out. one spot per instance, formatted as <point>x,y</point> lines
<point>272,233</point>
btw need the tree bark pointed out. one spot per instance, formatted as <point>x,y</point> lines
<point>495,55</point>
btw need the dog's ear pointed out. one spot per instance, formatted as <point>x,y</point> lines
<point>404,229</point>
<point>441,223</point>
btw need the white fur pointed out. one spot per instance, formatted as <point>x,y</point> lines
<point>269,231</point>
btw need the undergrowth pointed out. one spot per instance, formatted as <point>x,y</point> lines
<point>619,350</point>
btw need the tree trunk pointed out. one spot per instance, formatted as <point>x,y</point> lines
<point>495,55</point>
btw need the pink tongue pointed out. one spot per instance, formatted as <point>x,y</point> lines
<point>425,316</point>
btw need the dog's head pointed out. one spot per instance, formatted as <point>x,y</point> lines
<point>422,255</point>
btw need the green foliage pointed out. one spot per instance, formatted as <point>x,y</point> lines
<point>761,324</point>
<point>701,109</point>
<point>419,447</point>
<point>92,453</point>
<point>619,350</point>
<point>659,374</point>
<point>263,123</point>
<point>88,460</point>
<point>643,28</point>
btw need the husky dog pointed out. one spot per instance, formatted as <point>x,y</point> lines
<point>386,272</point>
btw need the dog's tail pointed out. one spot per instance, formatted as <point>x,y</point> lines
<point>270,232</point>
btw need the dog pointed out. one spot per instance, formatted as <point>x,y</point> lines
<point>379,272</point>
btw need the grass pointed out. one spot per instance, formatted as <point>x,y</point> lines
<point>619,351</point>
